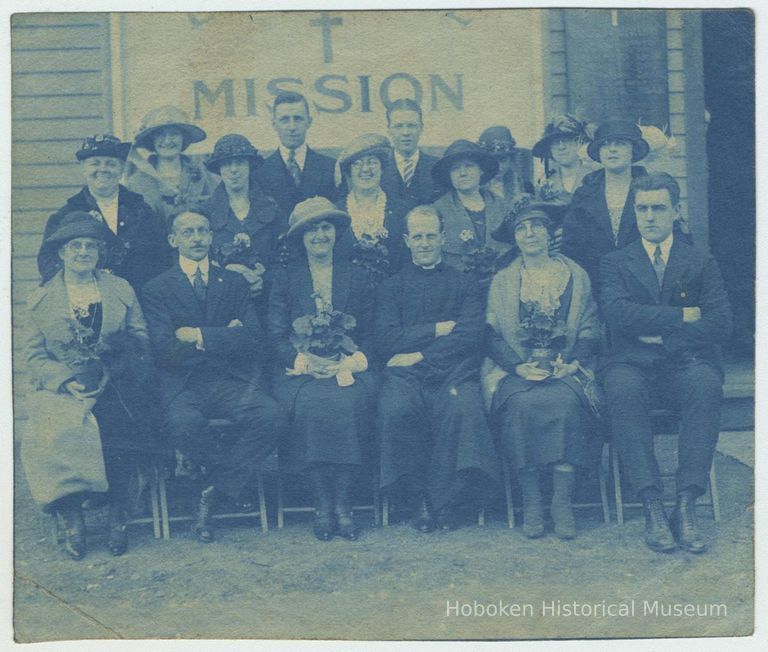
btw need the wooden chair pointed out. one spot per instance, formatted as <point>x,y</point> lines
<point>663,416</point>
<point>220,426</point>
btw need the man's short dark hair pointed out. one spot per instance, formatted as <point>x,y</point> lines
<point>404,104</point>
<point>289,97</point>
<point>657,181</point>
<point>424,209</point>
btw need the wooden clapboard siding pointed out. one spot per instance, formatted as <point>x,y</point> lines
<point>555,63</point>
<point>60,94</point>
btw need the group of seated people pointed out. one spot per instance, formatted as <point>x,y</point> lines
<point>389,315</point>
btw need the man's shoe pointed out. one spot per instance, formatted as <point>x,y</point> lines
<point>346,526</point>
<point>202,527</point>
<point>118,537</point>
<point>74,531</point>
<point>324,526</point>
<point>423,519</point>
<point>683,522</point>
<point>447,519</point>
<point>658,536</point>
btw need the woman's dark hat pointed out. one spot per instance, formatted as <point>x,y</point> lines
<point>562,126</point>
<point>315,209</point>
<point>232,146</point>
<point>619,129</point>
<point>524,209</point>
<point>464,149</point>
<point>79,224</point>
<point>162,118</point>
<point>497,141</point>
<point>103,145</point>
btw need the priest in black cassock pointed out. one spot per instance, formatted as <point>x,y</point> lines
<point>434,438</point>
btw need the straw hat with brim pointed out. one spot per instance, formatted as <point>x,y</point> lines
<point>162,118</point>
<point>549,213</point>
<point>315,209</point>
<point>563,126</point>
<point>497,141</point>
<point>103,145</point>
<point>232,146</point>
<point>365,145</point>
<point>460,150</point>
<point>618,130</point>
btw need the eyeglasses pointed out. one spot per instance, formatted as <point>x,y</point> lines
<point>371,162</point>
<point>76,245</point>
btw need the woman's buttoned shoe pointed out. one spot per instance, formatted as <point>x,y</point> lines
<point>533,511</point>
<point>423,519</point>
<point>74,543</point>
<point>347,528</point>
<point>561,508</point>
<point>324,526</point>
<point>118,537</point>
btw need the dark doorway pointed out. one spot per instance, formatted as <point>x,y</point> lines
<point>729,90</point>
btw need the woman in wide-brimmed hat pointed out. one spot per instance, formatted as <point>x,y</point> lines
<point>375,216</point>
<point>601,217</point>
<point>169,180</point>
<point>470,213</point>
<point>141,250</point>
<point>245,222</point>
<point>560,149</point>
<point>87,352</point>
<point>328,392</point>
<point>508,184</point>
<point>543,331</point>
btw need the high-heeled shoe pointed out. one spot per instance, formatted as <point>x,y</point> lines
<point>74,529</point>
<point>324,526</point>
<point>346,526</point>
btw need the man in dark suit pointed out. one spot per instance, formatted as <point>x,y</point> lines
<point>667,312</point>
<point>434,437</point>
<point>208,345</point>
<point>407,173</point>
<point>294,172</point>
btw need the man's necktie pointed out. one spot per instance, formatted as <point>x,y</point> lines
<point>293,167</point>
<point>408,168</point>
<point>198,285</point>
<point>659,266</point>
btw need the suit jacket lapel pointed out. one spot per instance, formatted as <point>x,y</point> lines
<point>676,266</point>
<point>183,290</point>
<point>640,265</point>
<point>308,177</point>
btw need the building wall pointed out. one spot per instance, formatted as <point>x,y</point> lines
<point>60,92</point>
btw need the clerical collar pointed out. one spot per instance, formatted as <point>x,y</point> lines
<point>435,266</point>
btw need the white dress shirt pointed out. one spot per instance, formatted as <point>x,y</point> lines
<point>650,248</point>
<point>189,267</point>
<point>300,151</point>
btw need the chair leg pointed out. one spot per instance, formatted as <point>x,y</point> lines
<point>508,492</point>
<point>713,493</point>
<point>166,524</point>
<point>617,485</point>
<point>263,518</point>
<point>601,478</point>
<point>385,510</point>
<point>481,518</point>
<point>280,504</point>
<point>376,505</point>
<point>154,503</point>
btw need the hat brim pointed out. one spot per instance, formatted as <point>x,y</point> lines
<point>338,217</point>
<point>116,151</point>
<point>378,151</point>
<point>190,134</point>
<point>441,171</point>
<point>639,148</point>
<point>553,215</point>
<point>214,164</point>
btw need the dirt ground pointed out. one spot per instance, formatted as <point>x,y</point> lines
<point>392,584</point>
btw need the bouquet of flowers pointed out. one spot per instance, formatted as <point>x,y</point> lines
<point>480,261</point>
<point>77,348</point>
<point>325,335</point>
<point>543,331</point>
<point>238,252</point>
<point>370,253</point>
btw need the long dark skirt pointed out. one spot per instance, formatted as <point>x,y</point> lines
<point>328,424</point>
<point>543,422</point>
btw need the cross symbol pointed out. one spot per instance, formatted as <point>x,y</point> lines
<point>325,22</point>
